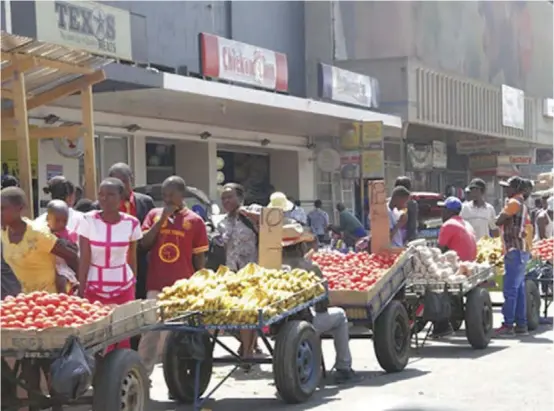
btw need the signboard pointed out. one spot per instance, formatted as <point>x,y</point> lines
<point>270,246</point>
<point>85,25</point>
<point>544,156</point>
<point>373,164</point>
<point>440,156</point>
<point>487,145</point>
<point>506,160</point>
<point>548,107</point>
<point>243,63</point>
<point>378,216</point>
<point>483,162</point>
<point>420,156</point>
<point>53,170</point>
<point>347,87</point>
<point>350,165</point>
<point>328,160</point>
<point>512,107</point>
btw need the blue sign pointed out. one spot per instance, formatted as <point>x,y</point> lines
<point>348,87</point>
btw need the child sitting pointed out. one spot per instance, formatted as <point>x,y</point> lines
<point>57,216</point>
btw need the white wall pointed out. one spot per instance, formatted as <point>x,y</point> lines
<point>47,154</point>
<point>192,164</point>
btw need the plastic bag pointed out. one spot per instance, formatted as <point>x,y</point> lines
<point>72,373</point>
<point>437,306</point>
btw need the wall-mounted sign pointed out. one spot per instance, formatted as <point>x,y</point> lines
<point>347,87</point>
<point>440,156</point>
<point>420,156</point>
<point>85,25</point>
<point>512,107</point>
<point>483,162</point>
<point>373,164</point>
<point>548,107</point>
<point>350,165</point>
<point>354,136</point>
<point>544,156</point>
<point>243,63</point>
<point>328,160</point>
<point>506,160</point>
<point>474,146</point>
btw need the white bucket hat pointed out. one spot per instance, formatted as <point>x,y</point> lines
<point>280,200</point>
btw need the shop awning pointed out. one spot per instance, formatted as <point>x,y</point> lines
<point>226,108</point>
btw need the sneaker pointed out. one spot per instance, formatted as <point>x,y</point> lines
<point>504,331</point>
<point>346,376</point>
<point>521,330</point>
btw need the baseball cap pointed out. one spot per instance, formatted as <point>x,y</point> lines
<point>451,203</point>
<point>477,183</point>
<point>514,182</point>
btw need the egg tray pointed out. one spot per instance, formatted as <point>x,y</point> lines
<point>458,288</point>
<point>261,316</point>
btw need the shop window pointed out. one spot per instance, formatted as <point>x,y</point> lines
<point>160,162</point>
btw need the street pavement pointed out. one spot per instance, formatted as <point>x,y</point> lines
<point>510,375</point>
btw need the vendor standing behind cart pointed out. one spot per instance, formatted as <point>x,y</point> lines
<point>512,221</point>
<point>108,241</point>
<point>478,212</point>
<point>177,241</point>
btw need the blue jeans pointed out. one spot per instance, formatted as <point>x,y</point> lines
<point>514,309</point>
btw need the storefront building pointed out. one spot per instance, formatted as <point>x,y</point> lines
<point>193,103</point>
<point>445,70</point>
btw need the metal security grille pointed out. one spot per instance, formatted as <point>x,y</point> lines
<point>460,104</point>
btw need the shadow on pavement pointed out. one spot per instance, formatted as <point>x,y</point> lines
<point>448,349</point>
<point>377,378</point>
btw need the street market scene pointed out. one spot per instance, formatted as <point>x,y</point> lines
<point>277,205</point>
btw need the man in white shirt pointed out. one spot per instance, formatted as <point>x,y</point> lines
<point>477,212</point>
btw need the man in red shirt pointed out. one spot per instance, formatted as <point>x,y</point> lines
<point>177,240</point>
<point>456,234</point>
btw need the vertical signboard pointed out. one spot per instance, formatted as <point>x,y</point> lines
<point>513,114</point>
<point>373,153</point>
<point>270,246</point>
<point>378,215</point>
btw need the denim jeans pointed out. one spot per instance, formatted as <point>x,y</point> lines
<point>514,309</point>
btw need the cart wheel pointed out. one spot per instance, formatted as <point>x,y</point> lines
<point>478,318</point>
<point>297,361</point>
<point>180,368</point>
<point>123,384</point>
<point>391,337</point>
<point>533,300</point>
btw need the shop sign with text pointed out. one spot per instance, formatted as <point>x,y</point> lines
<point>474,146</point>
<point>347,87</point>
<point>243,63</point>
<point>85,25</point>
<point>483,162</point>
<point>506,160</point>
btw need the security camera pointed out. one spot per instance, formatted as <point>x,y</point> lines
<point>205,135</point>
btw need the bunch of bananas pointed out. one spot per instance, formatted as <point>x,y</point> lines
<point>489,250</point>
<point>228,298</point>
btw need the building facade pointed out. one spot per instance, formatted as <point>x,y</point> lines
<point>267,93</point>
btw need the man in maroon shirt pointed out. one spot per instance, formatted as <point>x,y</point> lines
<point>177,242</point>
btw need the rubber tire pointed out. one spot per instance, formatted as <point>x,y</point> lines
<point>383,338</point>
<point>533,310</point>
<point>476,334</point>
<point>290,335</point>
<point>115,367</point>
<point>179,382</point>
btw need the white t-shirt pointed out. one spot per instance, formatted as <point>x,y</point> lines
<point>73,220</point>
<point>482,219</point>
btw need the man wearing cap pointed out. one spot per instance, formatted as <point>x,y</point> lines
<point>512,221</point>
<point>478,212</point>
<point>456,234</point>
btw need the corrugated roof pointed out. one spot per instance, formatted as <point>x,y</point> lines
<point>41,78</point>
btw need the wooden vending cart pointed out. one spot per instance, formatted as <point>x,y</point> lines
<point>36,74</point>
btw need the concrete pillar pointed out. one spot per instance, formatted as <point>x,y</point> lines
<point>138,159</point>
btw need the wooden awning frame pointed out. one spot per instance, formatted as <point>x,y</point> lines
<point>15,125</point>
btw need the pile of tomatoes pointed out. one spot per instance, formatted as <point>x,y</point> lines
<point>39,310</point>
<point>544,249</point>
<point>353,271</point>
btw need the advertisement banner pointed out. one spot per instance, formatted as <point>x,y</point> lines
<point>420,156</point>
<point>508,160</point>
<point>373,164</point>
<point>543,156</point>
<point>347,87</point>
<point>440,156</point>
<point>85,25</point>
<point>512,107</point>
<point>350,165</point>
<point>243,63</point>
<point>483,162</point>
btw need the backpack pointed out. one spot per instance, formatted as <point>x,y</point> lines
<point>216,251</point>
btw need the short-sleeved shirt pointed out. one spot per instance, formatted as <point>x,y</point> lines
<point>514,233</point>
<point>482,219</point>
<point>31,259</point>
<point>350,224</point>
<point>319,221</point>
<point>457,235</point>
<point>398,239</point>
<point>172,252</point>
